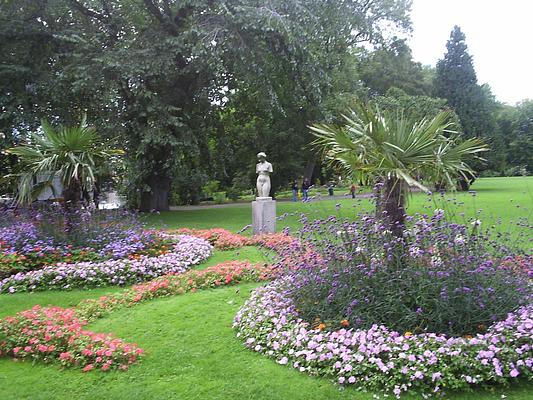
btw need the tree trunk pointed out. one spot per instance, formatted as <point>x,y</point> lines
<point>71,204</point>
<point>309,170</point>
<point>156,199</point>
<point>393,205</point>
<point>71,196</point>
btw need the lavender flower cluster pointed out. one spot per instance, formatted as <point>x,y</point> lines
<point>380,359</point>
<point>187,251</point>
<point>110,234</point>
<point>23,237</point>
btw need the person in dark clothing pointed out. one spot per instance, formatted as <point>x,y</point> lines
<point>330,189</point>
<point>352,190</point>
<point>294,188</point>
<point>305,189</point>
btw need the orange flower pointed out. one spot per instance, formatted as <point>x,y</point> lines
<point>345,322</point>
<point>408,334</point>
<point>321,326</point>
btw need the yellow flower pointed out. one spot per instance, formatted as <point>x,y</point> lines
<point>408,334</point>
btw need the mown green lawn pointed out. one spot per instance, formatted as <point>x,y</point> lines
<point>191,353</point>
<point>191,350</point>
<point>507,199</point>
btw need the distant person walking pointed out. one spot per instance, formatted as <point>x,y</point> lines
<point>330,189</point>
<point>352,190</point>
<point>305,189</point>
<point>294,188</point>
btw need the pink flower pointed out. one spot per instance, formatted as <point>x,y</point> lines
<point>88,367</point>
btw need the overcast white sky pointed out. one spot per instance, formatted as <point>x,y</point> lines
<point>499,36</point>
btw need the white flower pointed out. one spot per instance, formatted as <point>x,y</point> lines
<point>436,261</point>
<point>475,222</point>
<point>459,239</point>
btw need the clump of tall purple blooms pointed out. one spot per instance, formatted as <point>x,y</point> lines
<point>440,277</point>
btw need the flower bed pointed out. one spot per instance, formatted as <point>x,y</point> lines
<point>31,239</point>
<point>56,334</point>
<point>187,251</point>
<point>224,274</point>
<point>221,239</point>
<point>383,360</point>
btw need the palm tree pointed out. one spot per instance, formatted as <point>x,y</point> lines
<point>73,154</point>
<point>397,153</point>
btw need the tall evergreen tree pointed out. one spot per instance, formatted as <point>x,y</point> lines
<point>456,81</point>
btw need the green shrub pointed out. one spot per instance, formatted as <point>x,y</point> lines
<point>219,197</point>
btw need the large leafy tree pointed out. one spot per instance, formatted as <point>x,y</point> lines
<point>163,74</point>
<point>392,66</point>
<point>414,107</point>
<point>397,152</point>
<point>313,80</point>
<point>521,138</point>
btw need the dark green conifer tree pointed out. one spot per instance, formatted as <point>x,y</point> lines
<point>456,81</point>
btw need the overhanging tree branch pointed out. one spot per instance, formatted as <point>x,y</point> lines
<point>86,11</point>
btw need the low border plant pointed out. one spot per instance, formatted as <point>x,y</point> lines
<point>187,251</point>
<point>379,359</point>
<point>54,334</point>
<point>444,307</point>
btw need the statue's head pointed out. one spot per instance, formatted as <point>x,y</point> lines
<point>261,156</point>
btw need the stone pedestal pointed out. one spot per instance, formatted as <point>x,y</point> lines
<point>263,215</point>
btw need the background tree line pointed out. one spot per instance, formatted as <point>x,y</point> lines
<point>191,90</point>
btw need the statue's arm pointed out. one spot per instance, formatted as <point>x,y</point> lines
<point>270,168</point>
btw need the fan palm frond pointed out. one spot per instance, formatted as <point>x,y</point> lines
<point>72,154</point>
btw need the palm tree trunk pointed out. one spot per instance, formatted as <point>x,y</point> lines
<point>393,205</point>
<point>71,203</point>
<point>71,196</point>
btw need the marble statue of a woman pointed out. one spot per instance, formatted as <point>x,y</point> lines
<point>263,169</point>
